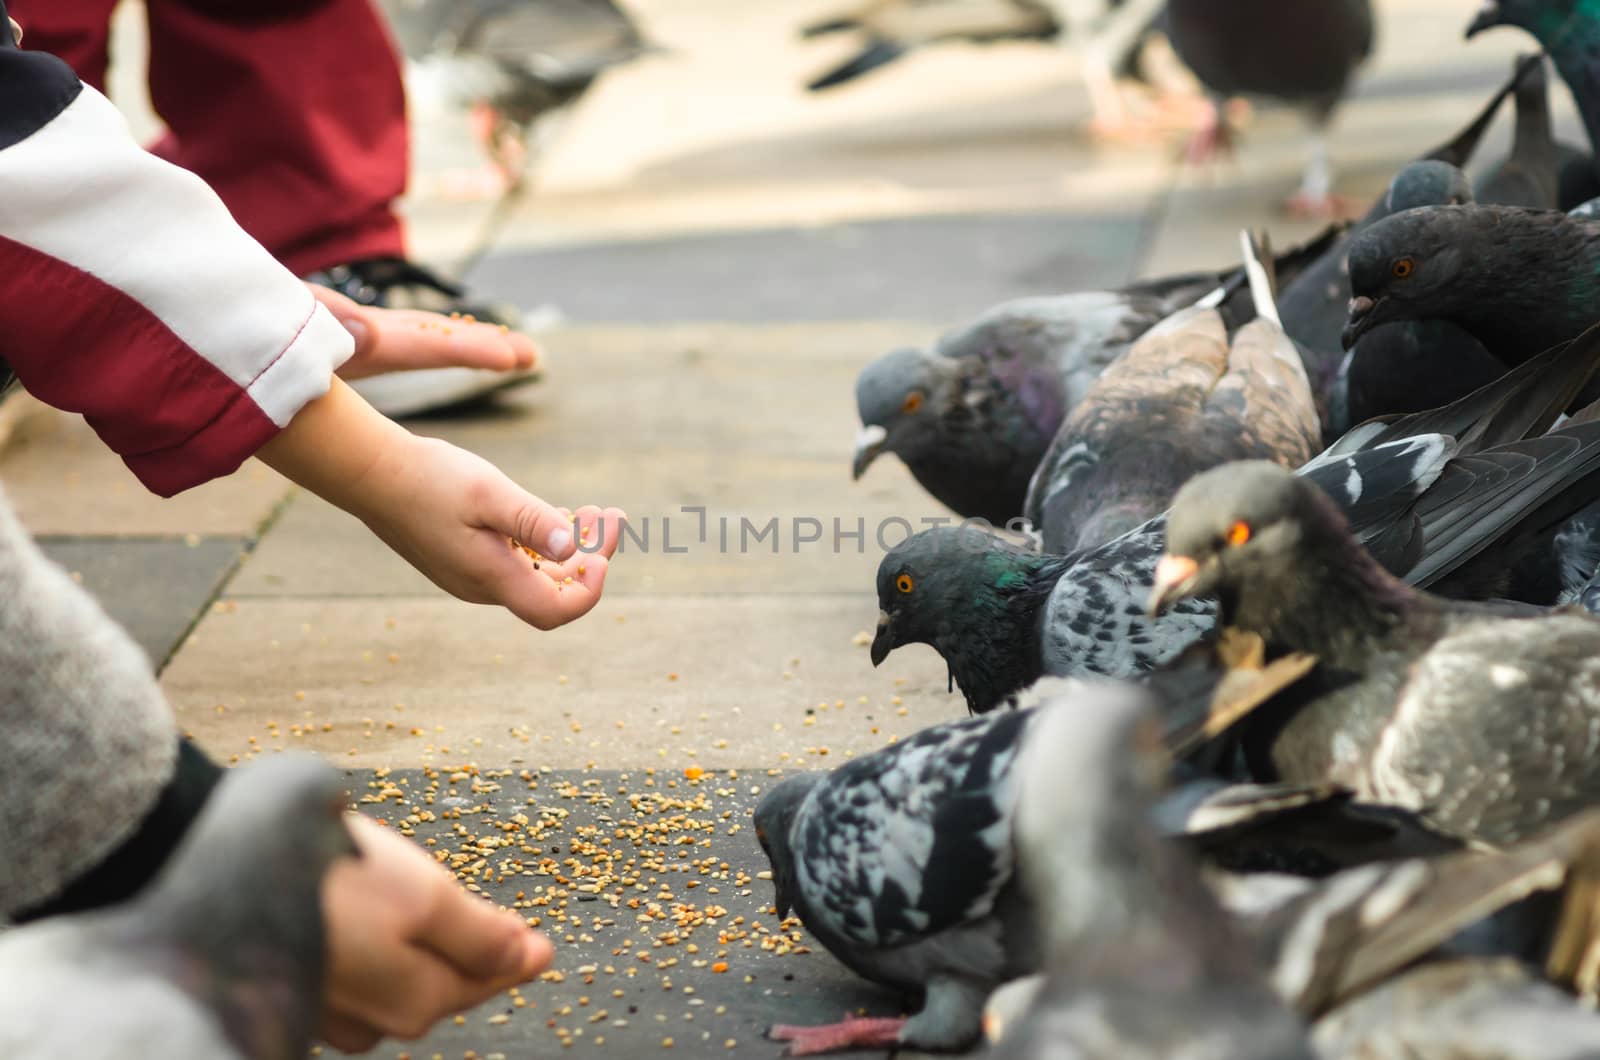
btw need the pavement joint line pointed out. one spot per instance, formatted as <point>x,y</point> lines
<point>205,607</point>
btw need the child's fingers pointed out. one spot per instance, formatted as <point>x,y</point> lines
<point>514,512</point>
<point>546,599</point>
<point>408,338</point>
<point>390,340</point>
<point>599,530</point>
<point>483,942</point>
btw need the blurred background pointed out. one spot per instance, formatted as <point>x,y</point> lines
<point>701,180</point>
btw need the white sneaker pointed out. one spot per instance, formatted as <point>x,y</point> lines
<point>397,394</point>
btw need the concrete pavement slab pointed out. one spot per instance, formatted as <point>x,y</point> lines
<point>661,681</point>
<point>154,588</point>
<point>912,269</point>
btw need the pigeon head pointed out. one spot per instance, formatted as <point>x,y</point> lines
<point>972,417</point>
<point>974,598</point>
<point>774,822</point>
<point>1405,267</point>
<point>1278,555</point>
<point>1228,525</point>
<point>1545,19</point>
<point>924,581</point>
<point>1427,183</point>
<point>897,396</point>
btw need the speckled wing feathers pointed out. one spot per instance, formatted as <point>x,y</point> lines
<point>1441,752</point>
<point>1145,392</point>
<point>1095,622</point>
<point>922,845</point>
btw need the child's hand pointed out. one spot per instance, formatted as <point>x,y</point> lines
<point>398,340</point>
<point>449,513</point>
<point>407,946</point>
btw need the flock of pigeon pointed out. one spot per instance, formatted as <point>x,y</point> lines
<point>1287,695</point>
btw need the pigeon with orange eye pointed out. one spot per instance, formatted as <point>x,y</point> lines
<point>972,414</point>
<point>1518,281</point>
<point>1408,704</point>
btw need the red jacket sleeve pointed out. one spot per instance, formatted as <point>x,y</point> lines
<point>128,293</point>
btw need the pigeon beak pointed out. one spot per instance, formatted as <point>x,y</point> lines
<point>1488,17</point>
<point>1361,320</point>
<point>870,443</point>
<point>883,642</point>
<point>1175,577</point>
<point>781,903</point>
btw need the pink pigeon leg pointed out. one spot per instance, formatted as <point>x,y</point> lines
<point>853,1032</point>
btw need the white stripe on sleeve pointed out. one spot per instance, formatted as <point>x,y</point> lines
<point>84,192</point>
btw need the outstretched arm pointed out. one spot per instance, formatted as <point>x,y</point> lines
<point>448,512</point>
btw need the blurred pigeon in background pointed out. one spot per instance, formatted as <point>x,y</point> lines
<point>513,63</point>
<point>1106,35</point>
<point>219,958</point>
<point>1301,54</point>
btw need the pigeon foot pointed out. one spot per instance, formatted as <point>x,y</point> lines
<point>853,1032</point>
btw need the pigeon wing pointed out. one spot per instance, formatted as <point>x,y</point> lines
<point>893,852</point>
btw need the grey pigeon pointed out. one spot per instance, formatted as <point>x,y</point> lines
<point>220,957</point>
<point>1313,309</point>
<point>903,863</point>
<point>1433,495</point>
<point>1395,368</point>
<point>524,61</point>
<point>1183,398</point>
<point>1320,946</point>
<point>1463,1009</point>
<point>1531,175</point>
<point>900,863</point>
<point>1406,705</point>
<point>1303,54</point>
<point>973,416</point>
<point>1313,305</point>
<point>1519,281</point>
<point>1105,34</point>
<point>1569,30</point>
<point>1141,962</point>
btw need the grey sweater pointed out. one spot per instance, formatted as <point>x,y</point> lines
<point>88,741</point>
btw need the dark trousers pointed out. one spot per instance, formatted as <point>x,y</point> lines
<point>292,110</point>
